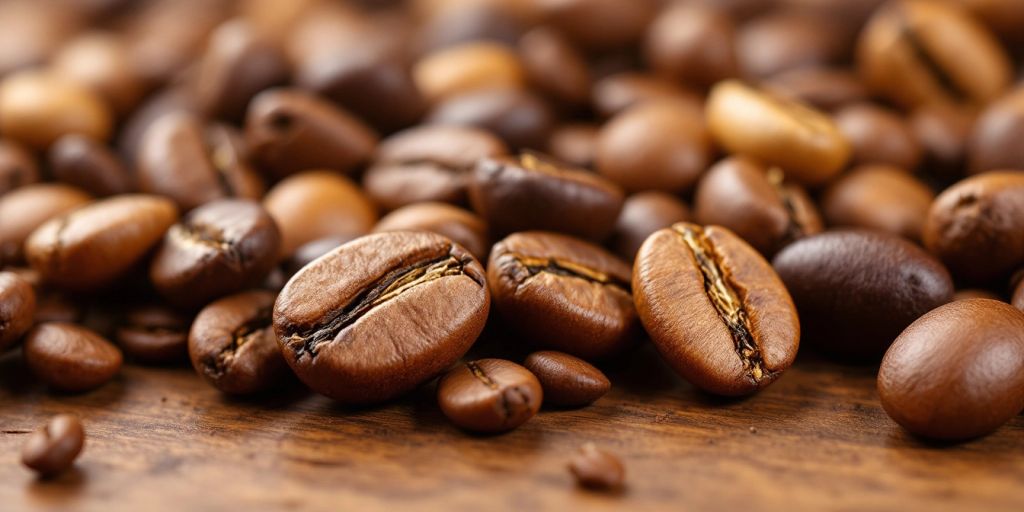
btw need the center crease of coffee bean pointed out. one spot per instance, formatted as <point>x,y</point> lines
<point>944,79</point>
<point>794,227</point>
<point>557,266</point>
<point>509,398</point>
<point>209,236</point>
<point>216,365</point>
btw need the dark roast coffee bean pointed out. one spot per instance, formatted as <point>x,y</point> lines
<point>53,448</point>
<point>288,131</point>
<point>856,290</point>
<point>25,209</point>
<point>17,308</point>
<point>643,214</point>
<point>574,144</point>
<point>94,245</point>
<point>957,372</point>
<point>70,358</point>
<point>36,108</point>
<point>518,117</point>
<point>489,395</point>
<point>995,139</point>
<point>784,40</point>
<point>461,226</point>
<point>219,248</point>
<point>428,163</point>
<point>878,197</point>
<point>567,381</point>
<point>563,293</point>
<point>554,67</point>
<point>693,44</point>
<point>101,62</point>
<point>528,192</point>
<point>88,164</point>
<point>468,67</point>
<point>878,136</point>
<point>153,334</point>
<point>822,88</point>
<point>620,91</point>
<point>976,227</point>
<point>753,201</point>
<point>309,251</point>
<point>232,344</point>
<point>715,309</point>
<point>597,469</point>
<point>17,167</point>
<point>380,315</point>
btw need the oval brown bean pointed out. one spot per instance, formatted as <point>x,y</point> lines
<point>489,395</point>
<point>17,308</point>
<point>25,209</point>
<point>53,448</point>
<point>567,381</point>
<point>879,197</point>
<point>461,226</point>
<point>71,358</point>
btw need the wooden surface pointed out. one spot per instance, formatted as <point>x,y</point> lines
<point>160,439</point>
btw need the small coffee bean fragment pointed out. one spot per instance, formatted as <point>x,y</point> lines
<point>53,448</point>
<point>489,395</point>
<point>567,381</point>
<point>153,334</point>
<point>70,358</point>
<point>597,469</point>
<point>17,308</point>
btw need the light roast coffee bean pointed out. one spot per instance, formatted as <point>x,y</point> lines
<point>70,358</point>
<point>467,67</point>
<point>36,108</point>
<point>489,395</point>
<point>53,448</point>
<point>17,308</point>
<point>567,381</point>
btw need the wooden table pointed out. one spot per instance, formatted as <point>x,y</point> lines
<point>161,439</point>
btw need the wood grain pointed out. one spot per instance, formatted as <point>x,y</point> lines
<point>160,439</point>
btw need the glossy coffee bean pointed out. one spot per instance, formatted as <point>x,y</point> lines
<point>822,88</point>
<point>17,167</point>
<point>567,381</point>
<point>715,309</point>
<point>563,293</point>
<point>53,448</point>
<point>101,62</point>
<point>693,44</point>
<point>957,372</point>
<point>976,227</point>
<point>519,118</point>
<point>489,395</point>
<point>878,197</point>
<point>428,163</point>
<point>17,308</point>
<point>380,315</point>
<point>994,142</point>
<point>878,136</point>
<point>659,145</point>
<point>70,358</point>
<point>803,141</point>
<point>528,192</point>
<point>318,204</point>
<point>25,209</point>
<point>90,165</point>
<point>555,67</point>
<point>786,40</point>
<point>92,246</point>
<point>643,214</point>
<point>753,201</point>
<point>288,131</point>
<point>856,290</point>
<point>620,91</point>
<point>944,132</point>
<point>919,52</point>
<point>233,347</point>
<point>467,67</point>
<point>461,226</point>
<point>219,248</point>
<point>36,108</point>
<point>575,144</point>
<point>153,334</point>
<point>597,469</point>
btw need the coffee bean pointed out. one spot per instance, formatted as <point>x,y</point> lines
<point>754,201</point>
<point>555,67</point>
<point>563,293</point>
<point>616,93</point>
<point>461,226</point>
<point>878,136</point>
<point>172,99</point>
<point>994,142</point>
<point>17,167</point>
<point>53,448</point>
<point>161,44</point>
<point>575,144</point>
<point>782,41</point>
<point>530,192</point>
<point>428,163</point>
<point>380,315</point>
<point>518,117</point>
<point>25,209</point>
<point>54,306</point>
<point>803,141</point>
<point>489,395</point>
<point>957,372</point>
<point>70,358</point>
<point>976,227</point>
<point>101,62</point>
<point>219,248</point>
<point>879,197</point>
<point>17,308</point>
<point>643,214</point>
<point>153,334</point>
<point>943,131</point>
<point>597,469</point>
<point>467,67</point>
<point>446,25</point>
<point>567,381</point>
<point>599,24</point>
<point>694,44</point>
<point>822,88</point>
<point>92,246</point>
<point>288,131</point>
<point>715,309</point>
<point>36,108</point>
<point>1018,296</point>
<point>232,344</point>
<point>88,164</point>
<point>856,290</point>
<point>974,293</point>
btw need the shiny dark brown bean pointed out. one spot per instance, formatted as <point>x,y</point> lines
<point>878,136</point>
<point>153,334</point>
<point>70,358</point>
<point>381,314</point>
<point>53,448</point>
<point>25,209</point>
<point>597,469</point>
<point>17,308</point>
<point>692,43</point>
<point>489,395</point>
<point>461,226</point>
<point>88,164</point>
<point>567,381</point>
<point>17,167</point>
<point>518,117</point>
<point>643,214</point>
<point>879,197</point>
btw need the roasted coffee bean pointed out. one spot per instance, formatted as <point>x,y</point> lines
<point>567,381</point>
<point>88,164</point>
<point>53,448</point>
<point>36,108</point>
<point>92,246</point>
<point>995,139</point>
<point>574,144</point>
<point>974,293</point>
<point>563,293</point>
<point>166,101</point>
<point>878,136</point>
<point>879,197</point>
<point>1018,296</point>
<point>461,226</point>
<point>17,308</point>
<point>692,43</point>
<point>449,24</point>
<point>380,315</point>
<point>489,395</point>
<point>233,347</point>
<point>643,214</point>
<point>943,131</point>
<point>428,163</point>
<point>753,201</point>
<point>787,40</point>
<point>957,372</point>
<point>618,92</point>
<point>318,204</point>
<point>162,44</point>
<point>822,88</point>
<point>715,309</point>
<point>659,145</point>
<point>803,141</point>
<point>153,334</point>
<point>529,192</point>
<point>555,67</point>
<point>519,118</point>
<point>25,209</point>
<point>219,248</point>
<point>600,24</point>
<point>310,251</point>
<point>288,131</point>
<point>54,306</point>
<point>856,290</point>
<point>467,67</point>
<point>976,227</point>
<point>71,358</point>
<point>919,52</point>
<point>101,62</point>
<point>597,469</point>
<point>17,167</point>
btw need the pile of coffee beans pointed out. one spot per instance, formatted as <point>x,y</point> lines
<point>352,194</point>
